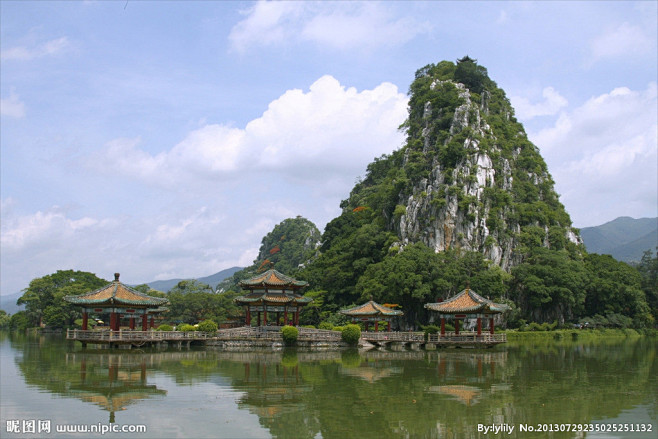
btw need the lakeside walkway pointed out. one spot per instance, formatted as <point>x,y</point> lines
<point>272,334</point>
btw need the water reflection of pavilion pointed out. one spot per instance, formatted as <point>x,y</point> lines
<point>468,378</point>
<point>112,381</point>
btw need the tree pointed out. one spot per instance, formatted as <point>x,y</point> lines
<point>5,319</point>
<point>472,75</point>
<point>615,287</point>
<point>43,298</point>
<point>648,269</point>
<point>549,285</point>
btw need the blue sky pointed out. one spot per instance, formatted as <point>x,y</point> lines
<point>165,139</point>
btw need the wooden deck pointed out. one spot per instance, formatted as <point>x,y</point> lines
<point>273,334</point>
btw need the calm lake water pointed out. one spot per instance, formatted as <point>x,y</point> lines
<point>48,383</point>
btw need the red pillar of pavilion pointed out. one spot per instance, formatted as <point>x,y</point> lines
<point>113,321</point>
<point>285,316</point>
<point>443,326</point>
<point>389,326</point>
<point>144,322</point>
<point>132,323</point>
<point>376,325</point>
<point>491,325</point>
<point>479,326</point>
<point>456,326</point>
<point>85,319</point>
<point>248,317</point>
<point>265,318</point>
<point>152,323</point>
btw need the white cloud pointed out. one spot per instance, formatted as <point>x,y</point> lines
<point>266,23</point>
<point>551,104</point>
<point>369,25</point>
<point>173,244</point>
<point>622,42</point>
<point>336,25</point>
<point>12,106</point>
<point>301,136</point>
<point>603,155</point>
<point>49,48</point>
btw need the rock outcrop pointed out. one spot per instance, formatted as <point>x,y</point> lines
<point>474,180</point>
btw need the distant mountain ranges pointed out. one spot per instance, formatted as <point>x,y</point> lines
<point>212,280</point>
<point>625,238</point>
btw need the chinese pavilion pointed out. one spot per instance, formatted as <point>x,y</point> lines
<point>119,300</point>
<point>273,292</point>
<point>372,312</point>
<point>467,304</point>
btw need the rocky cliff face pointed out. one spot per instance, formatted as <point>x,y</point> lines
<point>472,179</point>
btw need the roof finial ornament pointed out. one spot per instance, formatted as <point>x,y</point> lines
<point>116,277</point>
<point>468,284</point>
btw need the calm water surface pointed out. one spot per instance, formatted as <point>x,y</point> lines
<point>205,392</point>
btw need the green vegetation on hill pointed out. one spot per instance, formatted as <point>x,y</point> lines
<point>288,247</point>
<point>457,115</point>
<point>467,199</point>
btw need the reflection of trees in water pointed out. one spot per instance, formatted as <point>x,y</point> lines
<point>442,394</point>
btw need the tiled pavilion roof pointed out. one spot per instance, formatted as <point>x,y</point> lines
<point>117,294</point>
<point>273,279</point>
<point>273,287</point>
<point>278,299</point>
<point>371,309</point>
<point>468,301</point>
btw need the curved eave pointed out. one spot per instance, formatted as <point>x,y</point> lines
<point>282,300</point>
<point>371,309</point>
<point>115,302</point>
<point>482,309</point>
<point>458,304</point>
<point>272,278</point>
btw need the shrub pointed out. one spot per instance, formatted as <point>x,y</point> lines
<point>430,329</point>
<point>164,327</point>
<point>207,326</point>
<point>289,335</point>
<point>534,326</point>
<point>326,325</point>
<point>351,334</point>
<point>186,328</point>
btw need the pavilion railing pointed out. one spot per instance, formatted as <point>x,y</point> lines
<point>129,335</point>
<point>448,337</point>
<point>407,337</point>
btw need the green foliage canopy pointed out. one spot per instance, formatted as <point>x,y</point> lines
<point>43,298</point>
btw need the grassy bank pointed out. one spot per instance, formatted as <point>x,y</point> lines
<point>572,334</point>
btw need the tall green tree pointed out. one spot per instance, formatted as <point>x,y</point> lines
<point>43,298</point>
<point>615,287</point>
<point>648,269</point>
<point>550,286</point>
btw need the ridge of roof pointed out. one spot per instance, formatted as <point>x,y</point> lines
<point>467,301</point>
<point>274,278</point>
<point>112,293</point>
<point>371,307</point>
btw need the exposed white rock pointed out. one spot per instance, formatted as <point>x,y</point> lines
<point>433,212</point>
